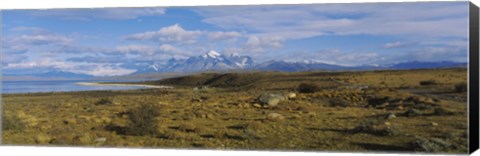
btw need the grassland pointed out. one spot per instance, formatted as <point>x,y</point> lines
<point>403,111</point>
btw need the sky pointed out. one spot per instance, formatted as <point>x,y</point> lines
<point>116,41</point>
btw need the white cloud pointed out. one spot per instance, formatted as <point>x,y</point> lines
<point>101,70</point>
<point>260,44</point>
<point>334,56</point>
<point>13,59</point>
<point>168,48</point>
<point>221,35</point>
<point>98,13</point>
<point>95,69</point>
<point>31,29</point>
<point>19,44</point>
<point>38,39</point>
<point>303,21</point>
<point>174,33</point>
<point>396,44</point>
<point>136,49</point>
<point>439,53</point>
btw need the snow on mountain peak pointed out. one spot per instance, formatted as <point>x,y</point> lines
<point>213,54</point>
<point>154,67</point>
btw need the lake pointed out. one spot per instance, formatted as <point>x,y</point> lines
<point>57,86</point>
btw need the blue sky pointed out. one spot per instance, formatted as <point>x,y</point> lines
<point>115,41</point>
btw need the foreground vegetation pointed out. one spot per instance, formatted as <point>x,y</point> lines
<point>403,111</point>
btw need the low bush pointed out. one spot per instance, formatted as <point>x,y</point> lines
<point>308,88</point>
<point>339,102</point>
<point>366,125</point>
<point>429,145</point>
<point>442,111</point>
<point>375,127</point>
<point>428,82</point>
<point>104,101</point>
<point>142,120</point>
<point>461,87</point>
<point>12,123</point>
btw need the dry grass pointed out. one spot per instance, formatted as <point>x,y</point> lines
<point>226,115</point>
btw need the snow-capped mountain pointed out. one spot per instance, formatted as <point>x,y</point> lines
<point>211,60</point>
<point>151,68</point>
<point>214,61</point>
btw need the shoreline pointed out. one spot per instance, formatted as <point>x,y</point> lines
<point>120,85</point>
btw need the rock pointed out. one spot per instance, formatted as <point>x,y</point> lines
<point>291,95</point>
<point>100,140</point>
<point>257,105</point>
<point>118,123</point>
<point>389,131</point>
<point>274,117</point>
<point>387,123</point>
<point>412,112</point>
<point>42,139</point>
<point>271,99</point>
<point>196,100</point>
<point>390,116</point>
<point>429,145</point>
<point>434,124</point>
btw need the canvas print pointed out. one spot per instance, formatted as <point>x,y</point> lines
<point>360,77</point>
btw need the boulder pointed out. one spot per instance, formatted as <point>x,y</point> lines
<point>291,95</point>
<point>390,116</point>
<point>271,99</point>
<point>100,141</point>
<point>275,117</point>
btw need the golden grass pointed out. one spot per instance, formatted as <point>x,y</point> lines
<point>228,117</point>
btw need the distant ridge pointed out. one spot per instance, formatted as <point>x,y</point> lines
<point>213,61</point>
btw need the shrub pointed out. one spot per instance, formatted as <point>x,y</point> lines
<point>429,145</point>
<point>366,125</point>
<point>461,87</point>
<point>12,123</point>
<point>339,102</point>
<point>375,127</point>
<point>142,120</point>
<point>428,82</point>
<point>308,88</point>
<point>104,101</point>
<point>442,111</point>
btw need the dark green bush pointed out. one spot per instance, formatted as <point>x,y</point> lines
<point>442,111</point>
<point>428,82</point>
<point>142,120</point>
<point>308,88</point>
<point>104,101</point>
<point>339,102</point>
<point>12,123</point>
<point>366,125</point>
<point>461,87</point>
<point>429,144</point>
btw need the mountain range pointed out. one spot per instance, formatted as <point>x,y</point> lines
<point>214,61</point>
<point>211,60</point>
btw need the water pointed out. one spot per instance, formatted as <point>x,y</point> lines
<point>55,86</point>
